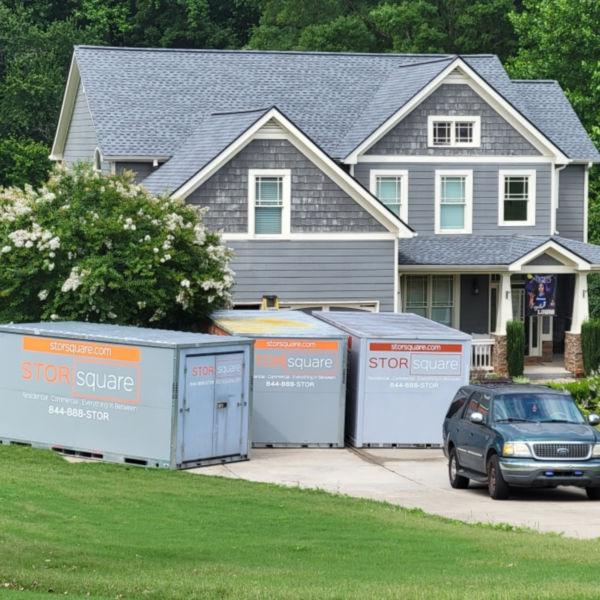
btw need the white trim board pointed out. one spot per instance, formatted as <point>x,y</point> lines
<point>481,87</point>
<point>330,237</point>
<point>347,183</point>
<point>66,111</point>
<point>459,158</point>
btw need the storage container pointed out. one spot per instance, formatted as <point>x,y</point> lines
<point>299,376</point>
<point>125,394</point>
<point>403,371</point>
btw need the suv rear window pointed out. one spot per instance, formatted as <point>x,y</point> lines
<point>457,403</point>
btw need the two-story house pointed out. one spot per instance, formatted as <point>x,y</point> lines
<point>430,184</point>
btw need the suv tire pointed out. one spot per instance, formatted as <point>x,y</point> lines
<point>498,488</point>
<point>593,493</point>
<point>458,482</point>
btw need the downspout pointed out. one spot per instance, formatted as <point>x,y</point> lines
<point>555,198</point>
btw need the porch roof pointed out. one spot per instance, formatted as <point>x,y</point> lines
<point>472,250</point>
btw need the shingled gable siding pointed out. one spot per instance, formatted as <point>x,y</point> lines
<point>318,204</point>
<point>82,141</point>
<point>569,217</point>
<point>421,194</point>
<point>141,169</point>
<point>315,271</point>
<point>474,310</point>
<point>498,138</point>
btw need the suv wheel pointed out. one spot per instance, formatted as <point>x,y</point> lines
<point>498,488</point>
<point>457,481</point>
<point>593,493</point>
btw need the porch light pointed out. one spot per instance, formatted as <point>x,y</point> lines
<point>475,287</point>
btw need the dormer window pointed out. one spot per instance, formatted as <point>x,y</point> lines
<point>454,131</point>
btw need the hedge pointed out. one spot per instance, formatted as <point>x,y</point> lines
<point>515,348</point>
<point>590,345</point>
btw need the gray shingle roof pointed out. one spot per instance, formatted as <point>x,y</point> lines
<point>147,102</point>
<point>215,133</point>
<point>484,250</point>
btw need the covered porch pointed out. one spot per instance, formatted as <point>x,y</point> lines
<point>479,284</point>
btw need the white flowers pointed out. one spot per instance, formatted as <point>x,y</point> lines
<point>147,238</point>
<point>158,315</point>
<point>43,295</point>
<point>75,279</point>
<point>53,317</point>
<point>185,283</point>
<point>6,249</point>
<point>141,305</point>
<point>111,315</point>
<point>129,224</point>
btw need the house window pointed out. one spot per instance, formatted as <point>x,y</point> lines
<point>453,201</point>
<point>269,202</point>
<point>97,160</point>
<point>431,296</point>
<point>391,188</point>
<point>516,198</point>
<point>455,132</point>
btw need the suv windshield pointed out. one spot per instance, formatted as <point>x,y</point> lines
<point>543,408</point>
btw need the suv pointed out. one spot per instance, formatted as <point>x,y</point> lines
<point>520,435</point>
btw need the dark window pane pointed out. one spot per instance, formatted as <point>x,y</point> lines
<point>515,210</point>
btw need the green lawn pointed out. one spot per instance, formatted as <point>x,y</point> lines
<point>111,531</point>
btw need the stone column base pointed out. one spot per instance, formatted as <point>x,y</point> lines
<point>499,361</point>
<point>573,356</point>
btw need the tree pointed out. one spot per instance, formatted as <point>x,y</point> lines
<point>422,26</point>
<point>23,161</point>
<point>100,248</point>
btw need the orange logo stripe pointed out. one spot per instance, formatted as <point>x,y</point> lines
<point>81,348</point>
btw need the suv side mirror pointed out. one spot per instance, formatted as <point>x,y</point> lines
<point>593,419</point>
<point>477,417</point>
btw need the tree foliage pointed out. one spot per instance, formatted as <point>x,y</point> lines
<point>23,162</point>
<point>100,248</point>
<point>429,26</point>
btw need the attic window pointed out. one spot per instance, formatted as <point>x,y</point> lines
<point>458,132</point>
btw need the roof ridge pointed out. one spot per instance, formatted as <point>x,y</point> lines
<point>534,81</point>
<point>292,52</point>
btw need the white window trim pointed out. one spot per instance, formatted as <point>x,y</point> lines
<point>476,120</point>
<point>468,228</point>
<point>287,202</point>
<point>97,160</point>
<point>531,201</point>
<point>375,173</point>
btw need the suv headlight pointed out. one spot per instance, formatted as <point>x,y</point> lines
<point>596,450</point>
<point>516,449</point>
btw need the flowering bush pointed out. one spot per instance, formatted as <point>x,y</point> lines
<point>101,248</point>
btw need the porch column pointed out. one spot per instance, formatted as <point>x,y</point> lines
<point>573,356</point>
<point>505,313</point>
<point>581,311</point>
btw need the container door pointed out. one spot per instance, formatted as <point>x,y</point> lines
<point>229,404</point>
<point>199,407</point>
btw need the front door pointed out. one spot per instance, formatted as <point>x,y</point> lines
<point>213,406</point>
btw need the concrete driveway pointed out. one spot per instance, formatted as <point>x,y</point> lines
<point>416,478</point>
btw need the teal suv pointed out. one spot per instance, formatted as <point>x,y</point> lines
<point>509,435</point>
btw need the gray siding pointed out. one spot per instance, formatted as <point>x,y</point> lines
<point>318,204</point>
<point>474,310</point>
<point>82,141</point>
<point>545,260</point>
<point>409,137</point>
<point>421,195</point>
<point>315,271</point>
<point>571,205</point>
<point>141,169</point>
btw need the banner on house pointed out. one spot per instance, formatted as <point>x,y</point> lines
<point>540,293</point>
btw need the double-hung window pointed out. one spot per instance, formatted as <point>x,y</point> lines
<point>430,296</point>
<point>516,198</point>
<point>269,202</point>
<point>453,201</point>
<point>456,132</point>
<point>391,188</point>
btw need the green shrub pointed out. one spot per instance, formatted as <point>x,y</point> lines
<point>590,345</point>
<point>23,162</point>
<point>515,348</point>
<point>584,392</point>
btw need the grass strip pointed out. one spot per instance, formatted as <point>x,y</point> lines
<point>111,531</point>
